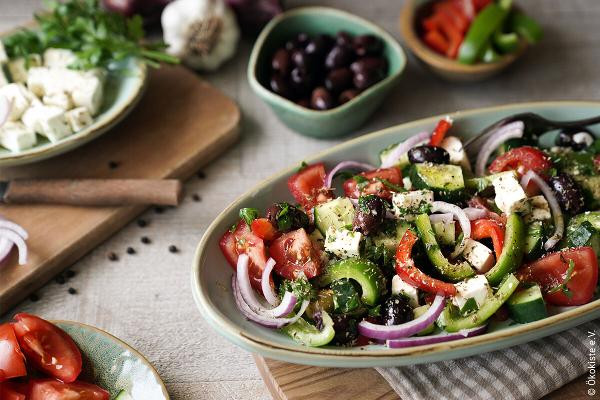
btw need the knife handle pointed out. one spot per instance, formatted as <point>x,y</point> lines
<point>94,192</point>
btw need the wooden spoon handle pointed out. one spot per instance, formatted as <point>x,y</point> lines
<point>95,192</point>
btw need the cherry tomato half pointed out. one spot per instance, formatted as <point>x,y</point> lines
<point>294,253</point>
<point>12,361</point>
<point>375,182</point>
<point>522,159</point>
<point>49,389</point>
<point>308,186</point>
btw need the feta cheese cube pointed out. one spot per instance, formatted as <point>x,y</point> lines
<point>20,98</point>
<point>407,183</point>
<point>79,118</point>
<point>540,209</point>
<point>343,243</point>
<point>409,203</point>
<point>401,287</point>
<point>476,288</point>
<point>88,93</point>
<point>36,80</point>
<point>458,155</point>
<point>48,121</point>
<point>478,255</point>
<point>16,137</point>
<point>18,67</point>
<point>510,196</point>
<point>58,99</point>
<point>58,58</point>
<point>3,56</point>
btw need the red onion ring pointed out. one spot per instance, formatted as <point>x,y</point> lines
<point>459,214</point>
<point>559,220</point>
<point>5,109</point>
<point>18,229</point>
<point>18,241</point>
<point>346,165</point>
<point>407,329</point>
<point>403,147</point>
<point>501,135</point>
<point>439,338</point>
<point>5,248</point>
<point>474,213</point>
<point>444,218</point>
<point>265,283</point>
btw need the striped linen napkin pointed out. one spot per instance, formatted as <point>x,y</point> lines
<point>525,372</point>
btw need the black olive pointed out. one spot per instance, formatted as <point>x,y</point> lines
<point>576,138</point>
<point>286,217</point>
<point>425,153</point>
<point>369,215</point>
<point>568,193</point>
<point>280,86</point>
<point>338,57</point>
<point>367,45</point>
<point>396,310</point>
<point>302,60</point>
<point>281,62</point>
<point>321,99</point>
<point>338,80</point>
<point>301,81</point>
<point>343,38</point>
<point>346,329</point>
<point>347,95</point>
<point>319,46</point>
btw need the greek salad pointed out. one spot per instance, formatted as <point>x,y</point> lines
<point>428,246</point>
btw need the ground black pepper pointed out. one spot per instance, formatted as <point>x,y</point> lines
<point>146,240</point>
<point>173,248</point>
<point>130,250</point>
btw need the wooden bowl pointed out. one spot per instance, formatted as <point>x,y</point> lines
<point>445,67</point>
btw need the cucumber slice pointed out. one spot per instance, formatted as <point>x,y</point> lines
<point>417,312</point>
<point>123,395</point>
<point>469,306</point>
<point>390,242</point>
<point>527,305</point>
<point>367,274</point>
<point>337,213</point>
<point>445,180</point>
<point>445,233</point>
<point>534,240</point>
<point>307,334</point>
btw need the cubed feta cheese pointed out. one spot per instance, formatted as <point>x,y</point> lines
<point>409,203</point>
<point>79,118</point>
<point>59,99</point>
<point>88,93</point>
<point>343,243</point>
<point>478,255</point>
<point>458,155</point>
<point>16,137</point>
<point>3,56</point>
<point>48,121</point>
<point>19,97</point>
<point>36,80</point>
<point>407,183</point>
<point>401,287</point>
<point>476,288</point>
<point>59,58</point>
<point>540,210</point>
<point>18,67</point>
<point>510,196</point>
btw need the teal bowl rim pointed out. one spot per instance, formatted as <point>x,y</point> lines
<point>359,357</point>
<point>263,92</point>
<point>122,344</point>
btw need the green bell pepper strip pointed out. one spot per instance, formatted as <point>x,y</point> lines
<point>512,251</point>
<point>452,272</point>
<point>451,321</point>
<point>505,42</point>
<point>367,274</point>
<point>483,26</point>
<point>526,27</point>
<point>490,55</point>
<point>303,332</point>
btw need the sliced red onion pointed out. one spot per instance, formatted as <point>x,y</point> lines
<point>444,218</point>
<point>474,213</point>
<point>407,329</point>
<point>17,240</point>
<point>268,322</point>
<point>5,108</point>
<point>11,226</point>
<point>392,159</point>
<point>346,165</point>
<point>559,220</point>
<point>5,248</point>
<point>265,283</point>
<point>463,220</point>
<point>439,338</point>
<point>501,135</point>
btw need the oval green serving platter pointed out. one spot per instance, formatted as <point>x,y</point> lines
<point>211,274</point>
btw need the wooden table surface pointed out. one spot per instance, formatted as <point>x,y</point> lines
<point>145,298</point>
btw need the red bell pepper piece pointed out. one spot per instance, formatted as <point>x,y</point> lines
<point>436,41</point>
<point>489,228</point>
<point>440,131</point>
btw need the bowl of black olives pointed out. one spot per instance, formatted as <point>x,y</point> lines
<point>324,71</point>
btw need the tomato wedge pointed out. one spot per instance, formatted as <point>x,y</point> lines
<point>406,269</point>
<point>295,254</point>
<point>12,361</point>
<point>308,186</point>
<point>489,228</point>
<point>243,241</point>
<point>374,182</point>
<point>47,347</point>
<point>550,272</point>
<point>9,391</point>
<point>522,159</point>
<point>263,228</point>
<point>48,389</point>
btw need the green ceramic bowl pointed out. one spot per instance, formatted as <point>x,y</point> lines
<point>113,364</point>
<point>211,274</point>
<point>317,20</point>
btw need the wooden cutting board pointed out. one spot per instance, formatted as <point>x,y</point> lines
<point>287,381</point>
<point>180,124</point>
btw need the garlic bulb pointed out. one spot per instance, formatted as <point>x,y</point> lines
<point>202,33</point>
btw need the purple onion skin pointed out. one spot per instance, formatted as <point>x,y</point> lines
<point>253,15</point>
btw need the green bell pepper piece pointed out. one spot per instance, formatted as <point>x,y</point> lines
<point>364,272</point>
<point>526,27</point>
<point>303,332</point>
<point>452,321</point>
<point>453,272</point>
<point>490,54</point>
<point>483,26</point>
<point>512,251</point>
<point>505,42</point>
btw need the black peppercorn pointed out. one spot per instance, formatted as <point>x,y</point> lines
<point>142,223</point>
<point>196,197</point>
<point>112,256</point>
<point>60,280</point>
<point>145,240</point>
<point>72,290</point>
<point>113,164</point>
<point>130,250</point>
<point>173,248</point>
<point>34,297</point>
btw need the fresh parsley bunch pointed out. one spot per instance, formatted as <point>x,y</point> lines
<point>96,36</point>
